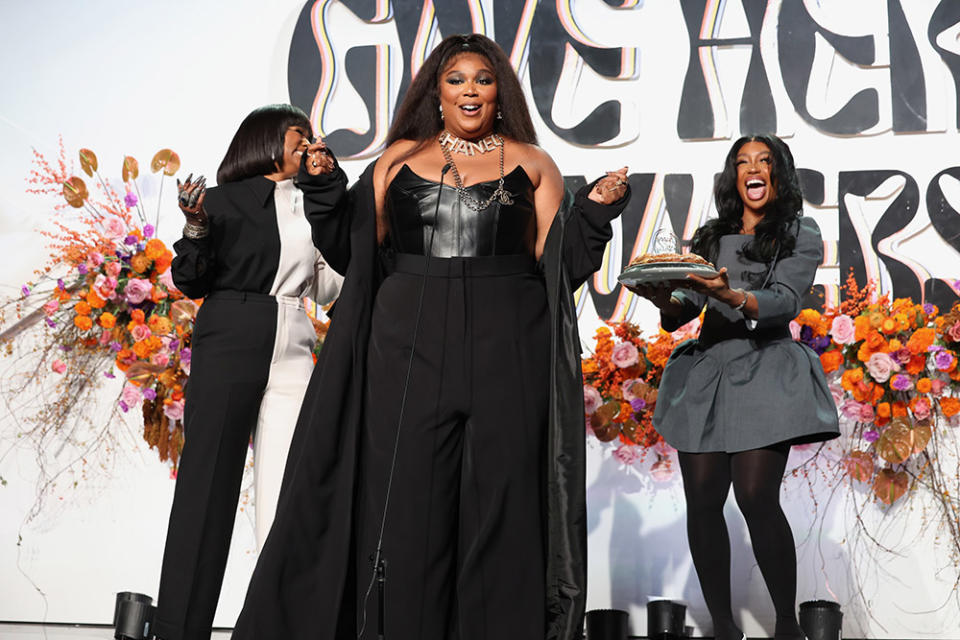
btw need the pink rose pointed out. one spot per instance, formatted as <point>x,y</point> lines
<point>137,290</point>
<point>58,365</point>
<point>94,259</point>
<point>662,470</point>
<point>131,395</point>
<point>113,268</point>
<point>166,279</point>
<point>921,409</point>
<point>114,228</point>
<point>937,386</point>
<point>140,332</point>
<point>173,410</point>
<point>106,286</point>
<point>880,366</point>
<point>954,332</point>
<point>51,307</point>
<point>794,329</point>
<point>591,399</point>
<point>857,411</point>
<point>838,392</point>
<point>842,330</point>
<point>663,449</point>
<point>105,337</point>
<point>160,359</point>
<point>626,454</point>
<point>625,355</point>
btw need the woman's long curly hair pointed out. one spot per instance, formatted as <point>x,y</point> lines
<point>774,234</point>
<point>418,117</point>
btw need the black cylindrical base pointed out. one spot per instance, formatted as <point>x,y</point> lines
<point>607,624</point>
<point>821,620</point>
<point>134,618</point>
<point>665,619</point>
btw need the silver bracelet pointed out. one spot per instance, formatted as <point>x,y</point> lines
<point>743,303</point>
<point>195,231</point>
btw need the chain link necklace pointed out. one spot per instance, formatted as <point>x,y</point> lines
<point>500,194</point>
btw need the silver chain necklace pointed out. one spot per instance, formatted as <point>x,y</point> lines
<point>500,194</point>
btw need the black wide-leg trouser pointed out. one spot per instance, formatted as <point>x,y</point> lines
<point>233,343</point>
<point>463,537</point>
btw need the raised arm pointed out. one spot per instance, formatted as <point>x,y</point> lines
<point>193,265</point>
<point>325,204</point>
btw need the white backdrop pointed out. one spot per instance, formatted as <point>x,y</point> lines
<point>131,78</point>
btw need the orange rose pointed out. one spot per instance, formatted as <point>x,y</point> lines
<point>876,319</point>
<point>883,409</point>
<point>81,308</point>
<point>155,248</point>
<point>809,318</point>
<point>95,300</point>
<point>924,385</point>
<point>157,294</point>
<point>916,364</point>
<point>950,406</point>
<point>861,325</point>
<point>920,340</point>
<point>899,410</point>
<point>162,263</point>
<point>124,359</point>
<point>831,360</point>
<point>137,316</point>
<point>876,341</point>
<point>140,263</point>
<point>159,325</point>
<point>107,320</point>
<point>850,378</point>
<point>83,322</point>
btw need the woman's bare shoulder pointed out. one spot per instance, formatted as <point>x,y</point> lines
<point>387,163</point>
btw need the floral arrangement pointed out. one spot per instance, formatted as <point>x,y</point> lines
<point>620,381</point>
<point>893,369</point>
<point>103,306</point>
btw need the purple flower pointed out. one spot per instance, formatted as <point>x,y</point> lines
<point>174,345</point>
<point>61,284</point>
<point>820,344</point>
<point>130,200</point>
<point>130,240</point>
<point>806,334</point>
<point>944,360</point>
<point>109,374</point>
<point>82,269</point>
<point>901,382</point>
<point>25,290</point>
<point>65,347</point>
<point>116,346</point>
<point>638,404</point>
<point>148,230</point>
<point>902,356</point>
<point>871,435</point>
<point>50,323</point>
<point>149,393</point>
<point>928,308</point>
<point>123,406</point>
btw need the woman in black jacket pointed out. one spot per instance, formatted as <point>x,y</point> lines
<point>247,250</point>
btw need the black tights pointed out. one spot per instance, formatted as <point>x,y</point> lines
<point>756,476</point>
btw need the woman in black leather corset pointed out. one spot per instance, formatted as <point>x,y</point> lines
<point>445,414</point>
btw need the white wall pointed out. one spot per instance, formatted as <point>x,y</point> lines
<point>131,78</point>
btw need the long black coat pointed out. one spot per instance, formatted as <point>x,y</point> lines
<point>303,585</point>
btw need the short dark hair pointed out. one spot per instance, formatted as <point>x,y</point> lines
<point>773,235</point>
<point>418,118</point>
<point>257,146</point>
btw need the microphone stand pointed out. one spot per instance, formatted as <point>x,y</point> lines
<point>379,562</point>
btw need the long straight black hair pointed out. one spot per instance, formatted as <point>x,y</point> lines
<point>257,146</point>
<point>773,235</point>
<point>418,117</point>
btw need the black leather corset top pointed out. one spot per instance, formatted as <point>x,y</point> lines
<point>500,229</point>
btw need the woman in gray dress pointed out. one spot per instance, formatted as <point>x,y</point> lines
<point>734,400</point>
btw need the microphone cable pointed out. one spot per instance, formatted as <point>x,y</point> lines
<point>379,570</point>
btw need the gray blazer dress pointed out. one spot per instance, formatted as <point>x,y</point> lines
<point>747,384</point>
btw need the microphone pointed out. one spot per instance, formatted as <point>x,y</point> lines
<point>379,576</point>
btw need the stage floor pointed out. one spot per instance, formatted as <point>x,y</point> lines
<point>15,631</point>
